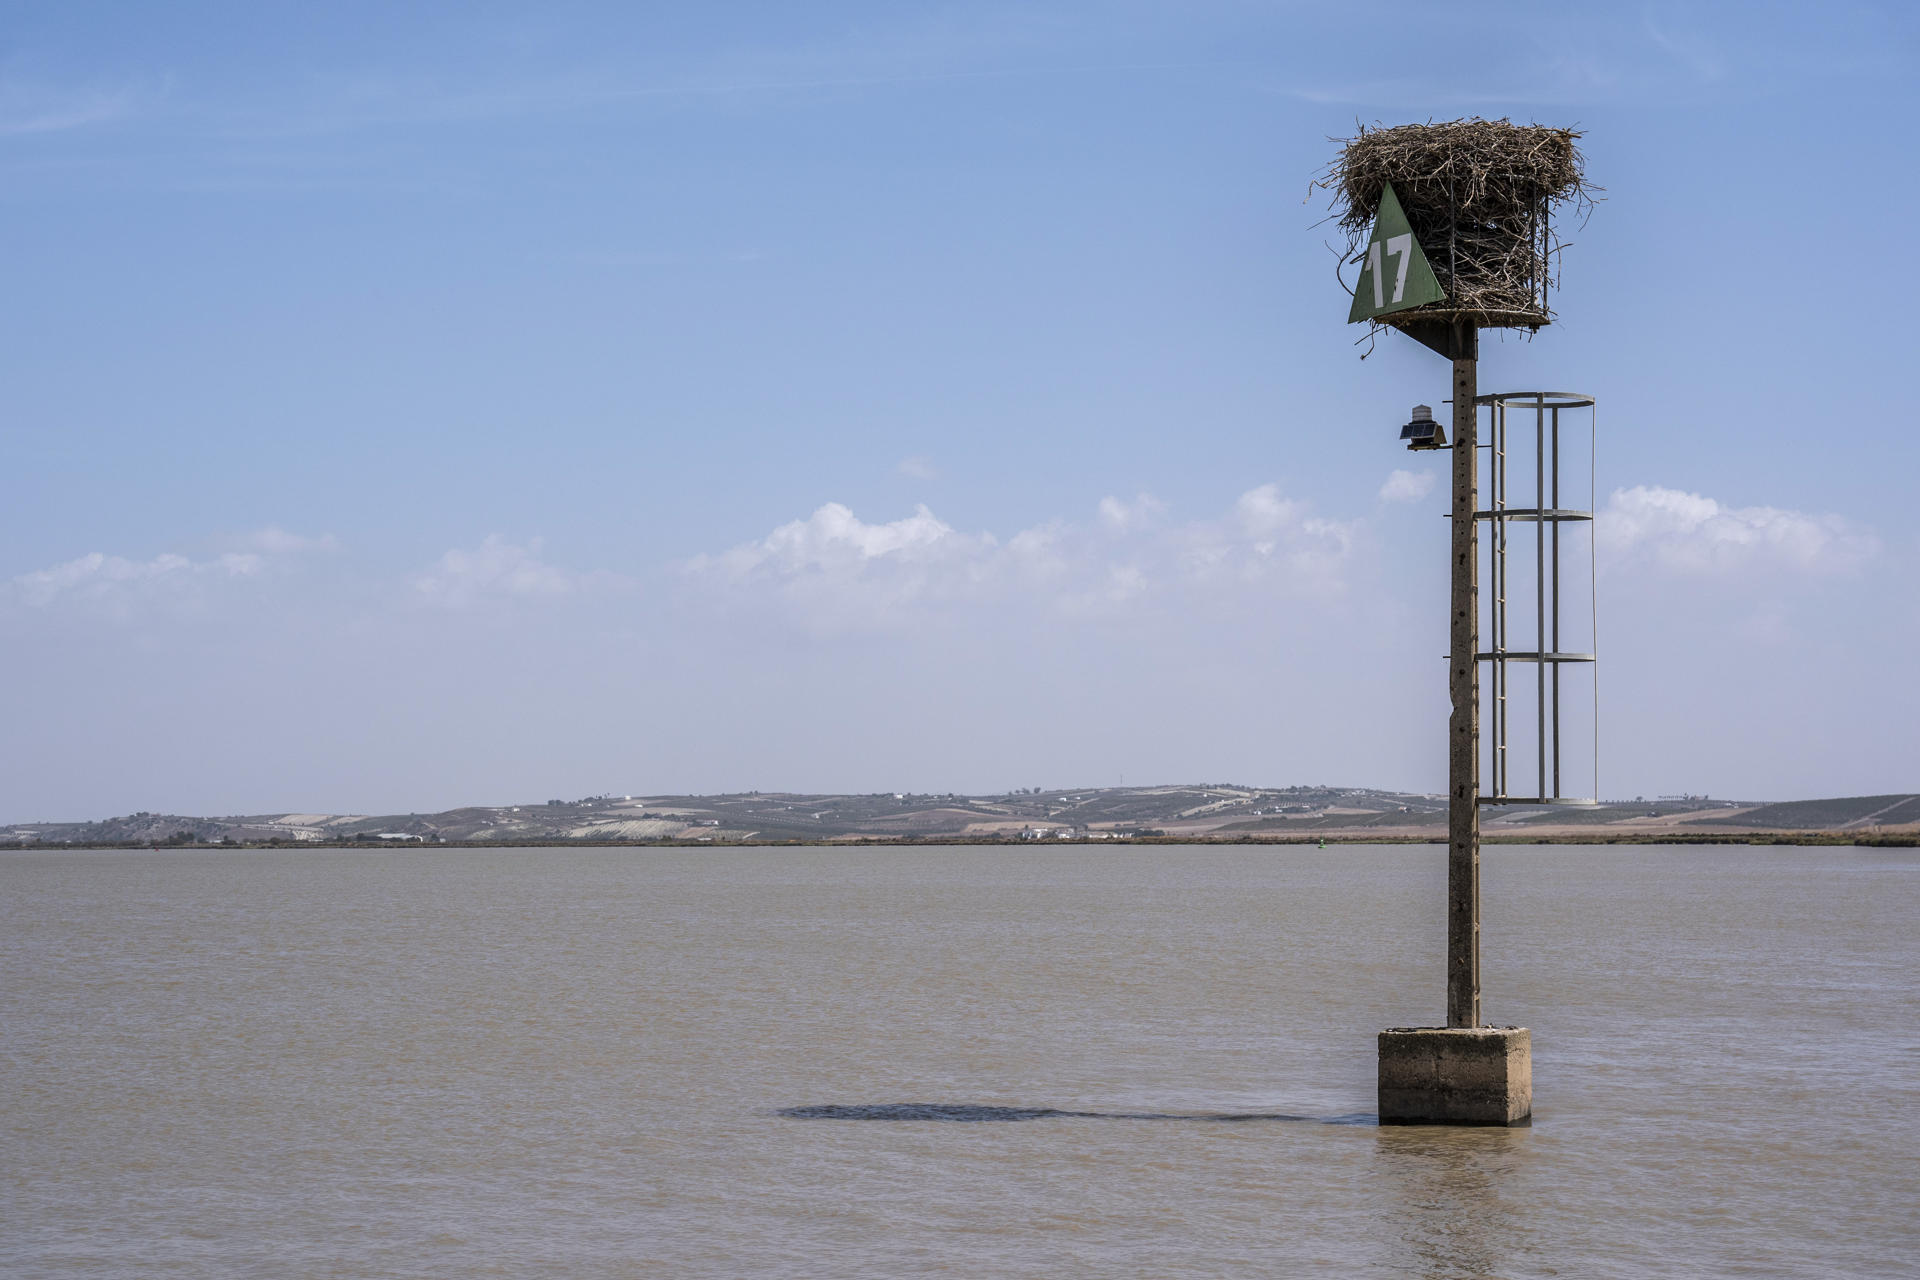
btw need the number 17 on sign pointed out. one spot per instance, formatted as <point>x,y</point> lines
<point>1395,274</point>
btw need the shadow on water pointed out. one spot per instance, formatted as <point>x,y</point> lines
<point>970,1113</point>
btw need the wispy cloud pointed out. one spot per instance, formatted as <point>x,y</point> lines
<point>466,85</point>
<point>1563,57</point>
<point>1407,486</point>
<point>28,108</point>
<point>1691,51</point>
<point>273,540</point>
<point>97,576</point>
<point>917,468</point>
<point>500,570</point>
<point>122,583</point>
<point>1688,533</point>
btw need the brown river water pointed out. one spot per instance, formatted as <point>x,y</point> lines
<point>978,1062</point>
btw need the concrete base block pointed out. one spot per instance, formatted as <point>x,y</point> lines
<point>1448,1075</point>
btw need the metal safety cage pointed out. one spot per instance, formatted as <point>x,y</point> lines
<point>1553,642</point>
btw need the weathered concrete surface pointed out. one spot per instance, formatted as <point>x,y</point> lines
<point>1456,1075</point>
<point>1463,687</point>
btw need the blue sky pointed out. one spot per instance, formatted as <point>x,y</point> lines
<point>404,406</point>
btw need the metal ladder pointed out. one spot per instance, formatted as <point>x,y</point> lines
<point>1547,515</point>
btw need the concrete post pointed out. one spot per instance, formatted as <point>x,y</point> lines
<point>1464,1072</point>
<point>1463,685</point>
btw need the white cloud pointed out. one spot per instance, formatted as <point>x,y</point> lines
<point>917,468</point>
<point>1687,533</point>
<point>1045,553</point>
<point>1110,592</point>
<point>1262,512</point>
<point>1407,486</point>
<point>494,569</point>
<point>96,574</point>
<point>120,583</point>
<point>1271,538</point>
<point>1121,516</point>
<point>840,570</point>
<point>834,539</point>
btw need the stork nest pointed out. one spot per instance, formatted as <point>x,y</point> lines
<point>1480,195</point>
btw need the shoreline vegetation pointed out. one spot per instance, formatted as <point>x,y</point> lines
<point>1865,840</point>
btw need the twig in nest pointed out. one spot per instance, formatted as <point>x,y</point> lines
<point>1480,196</point>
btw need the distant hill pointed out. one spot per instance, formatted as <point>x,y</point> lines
<point>1188,812</point>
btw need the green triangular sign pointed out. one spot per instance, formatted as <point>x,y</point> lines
<point>1395,274</point>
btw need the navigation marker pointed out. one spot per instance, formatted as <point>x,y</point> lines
<point>1395,274</point>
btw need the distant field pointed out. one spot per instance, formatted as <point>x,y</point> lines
<point>1435,818</point>
<point>1820,815</point>
<point>1599,815</point>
